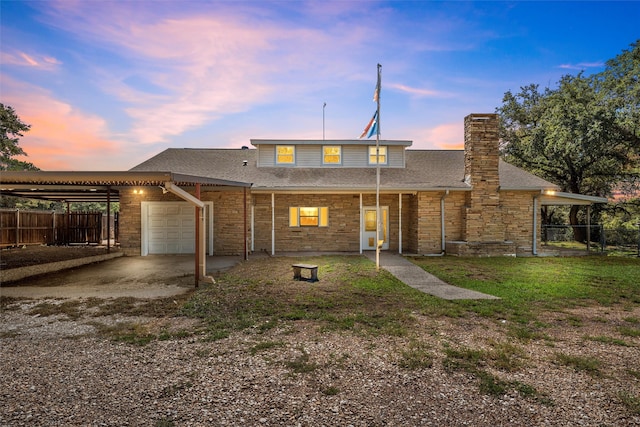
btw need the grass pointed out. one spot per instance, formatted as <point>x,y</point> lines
<point>126,332</point>
<point>609,340</point>
<point>479,362</point>
<point>416,356</point>
<point>587,364</point>
<point>529,286</point>
<point>331,391</point>
<point>301,364</point>
<point>351,296</point>
<point>629,331</point>
<point>266,345</point>
<point>630,401</point>
<point>69,308</point>
<point>260,299</point>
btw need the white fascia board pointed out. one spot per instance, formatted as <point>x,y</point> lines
<point>561,198</point>
<point>367,190</point>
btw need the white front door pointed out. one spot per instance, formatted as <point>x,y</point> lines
<point>369,219</point>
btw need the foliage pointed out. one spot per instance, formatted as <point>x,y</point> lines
<point>583,135</point>
<point>624,214</point>
<point>11,130</point>
<point>29,204</point>
<point>93,207</point>
<point>45,205</point>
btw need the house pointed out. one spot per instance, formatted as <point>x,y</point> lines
<point>318,195</point>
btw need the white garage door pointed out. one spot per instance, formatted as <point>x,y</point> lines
<point>171,228</point>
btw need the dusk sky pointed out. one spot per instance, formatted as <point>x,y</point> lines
<point>107,84</point>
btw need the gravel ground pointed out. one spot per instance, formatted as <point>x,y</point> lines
<point>61,369</point>
<point>58,371</point>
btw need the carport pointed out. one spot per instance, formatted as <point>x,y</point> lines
<point>105,187</point>
<point>558,198</point>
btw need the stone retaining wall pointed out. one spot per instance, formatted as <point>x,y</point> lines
<point>20,273</point>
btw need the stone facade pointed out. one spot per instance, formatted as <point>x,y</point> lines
<point>493,222</point>
<point>228,218</point>
<point>482,220</point>
<point>341,235</point>
<point>483,213</point>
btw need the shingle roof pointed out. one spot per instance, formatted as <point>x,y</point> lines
<point>425,170</point>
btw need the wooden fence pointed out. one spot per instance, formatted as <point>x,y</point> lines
<point>19,228</point>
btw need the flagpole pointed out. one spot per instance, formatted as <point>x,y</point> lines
<point>377,96</point>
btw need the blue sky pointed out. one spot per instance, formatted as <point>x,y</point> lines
<point>107,84</point>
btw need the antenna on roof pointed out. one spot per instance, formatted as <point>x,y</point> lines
<point>323,105</point>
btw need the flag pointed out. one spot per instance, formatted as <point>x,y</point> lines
<point>371,128</point>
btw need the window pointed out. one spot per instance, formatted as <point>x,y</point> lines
<point>331,154</point>
<point>308,217</point>
<point>285,154</point>
<point>382,154</point>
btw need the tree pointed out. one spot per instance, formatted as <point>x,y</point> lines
<point>583,135</point>
<point>11,130</point>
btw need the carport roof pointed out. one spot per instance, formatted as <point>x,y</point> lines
<point>76,186</point>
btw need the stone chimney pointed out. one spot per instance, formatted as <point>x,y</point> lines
<point>483,216</point>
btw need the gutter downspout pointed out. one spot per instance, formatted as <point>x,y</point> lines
<point>198,210</point>
<point>588,228</point>
<point>361,225</point>
<point>534,245</point>
<point>273,224</point>
<point>108,219</point>
<point>252,225</point>
<point>246,256</point>
<point>399,223</point>
<point>442,230</point>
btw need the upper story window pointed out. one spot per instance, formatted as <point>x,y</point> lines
<point>285,154</point>
<point>381,158</point>
<point>331,154</point>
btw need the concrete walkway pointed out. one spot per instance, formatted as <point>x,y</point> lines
<point>419,279</point>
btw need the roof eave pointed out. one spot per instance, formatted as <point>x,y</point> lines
<point>353,190</point>
<point>110,178</point>
<point>562,198</point>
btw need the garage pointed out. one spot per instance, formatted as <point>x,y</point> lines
<point>169,228</point>
<point>178,216</point>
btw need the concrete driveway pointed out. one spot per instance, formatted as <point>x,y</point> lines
<point>156,276</point>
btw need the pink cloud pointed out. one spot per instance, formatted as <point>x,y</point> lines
<point>448,136</point>
<point>418,91</point>
<point>24,59</point>
<point>205,63</point>
<point>60,137</point>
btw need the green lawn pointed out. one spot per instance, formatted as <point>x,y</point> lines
<point>353,296</point>
<point>528,285</point>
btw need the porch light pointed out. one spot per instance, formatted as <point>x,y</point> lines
<point>138,191</point>
<point>550,192</point>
